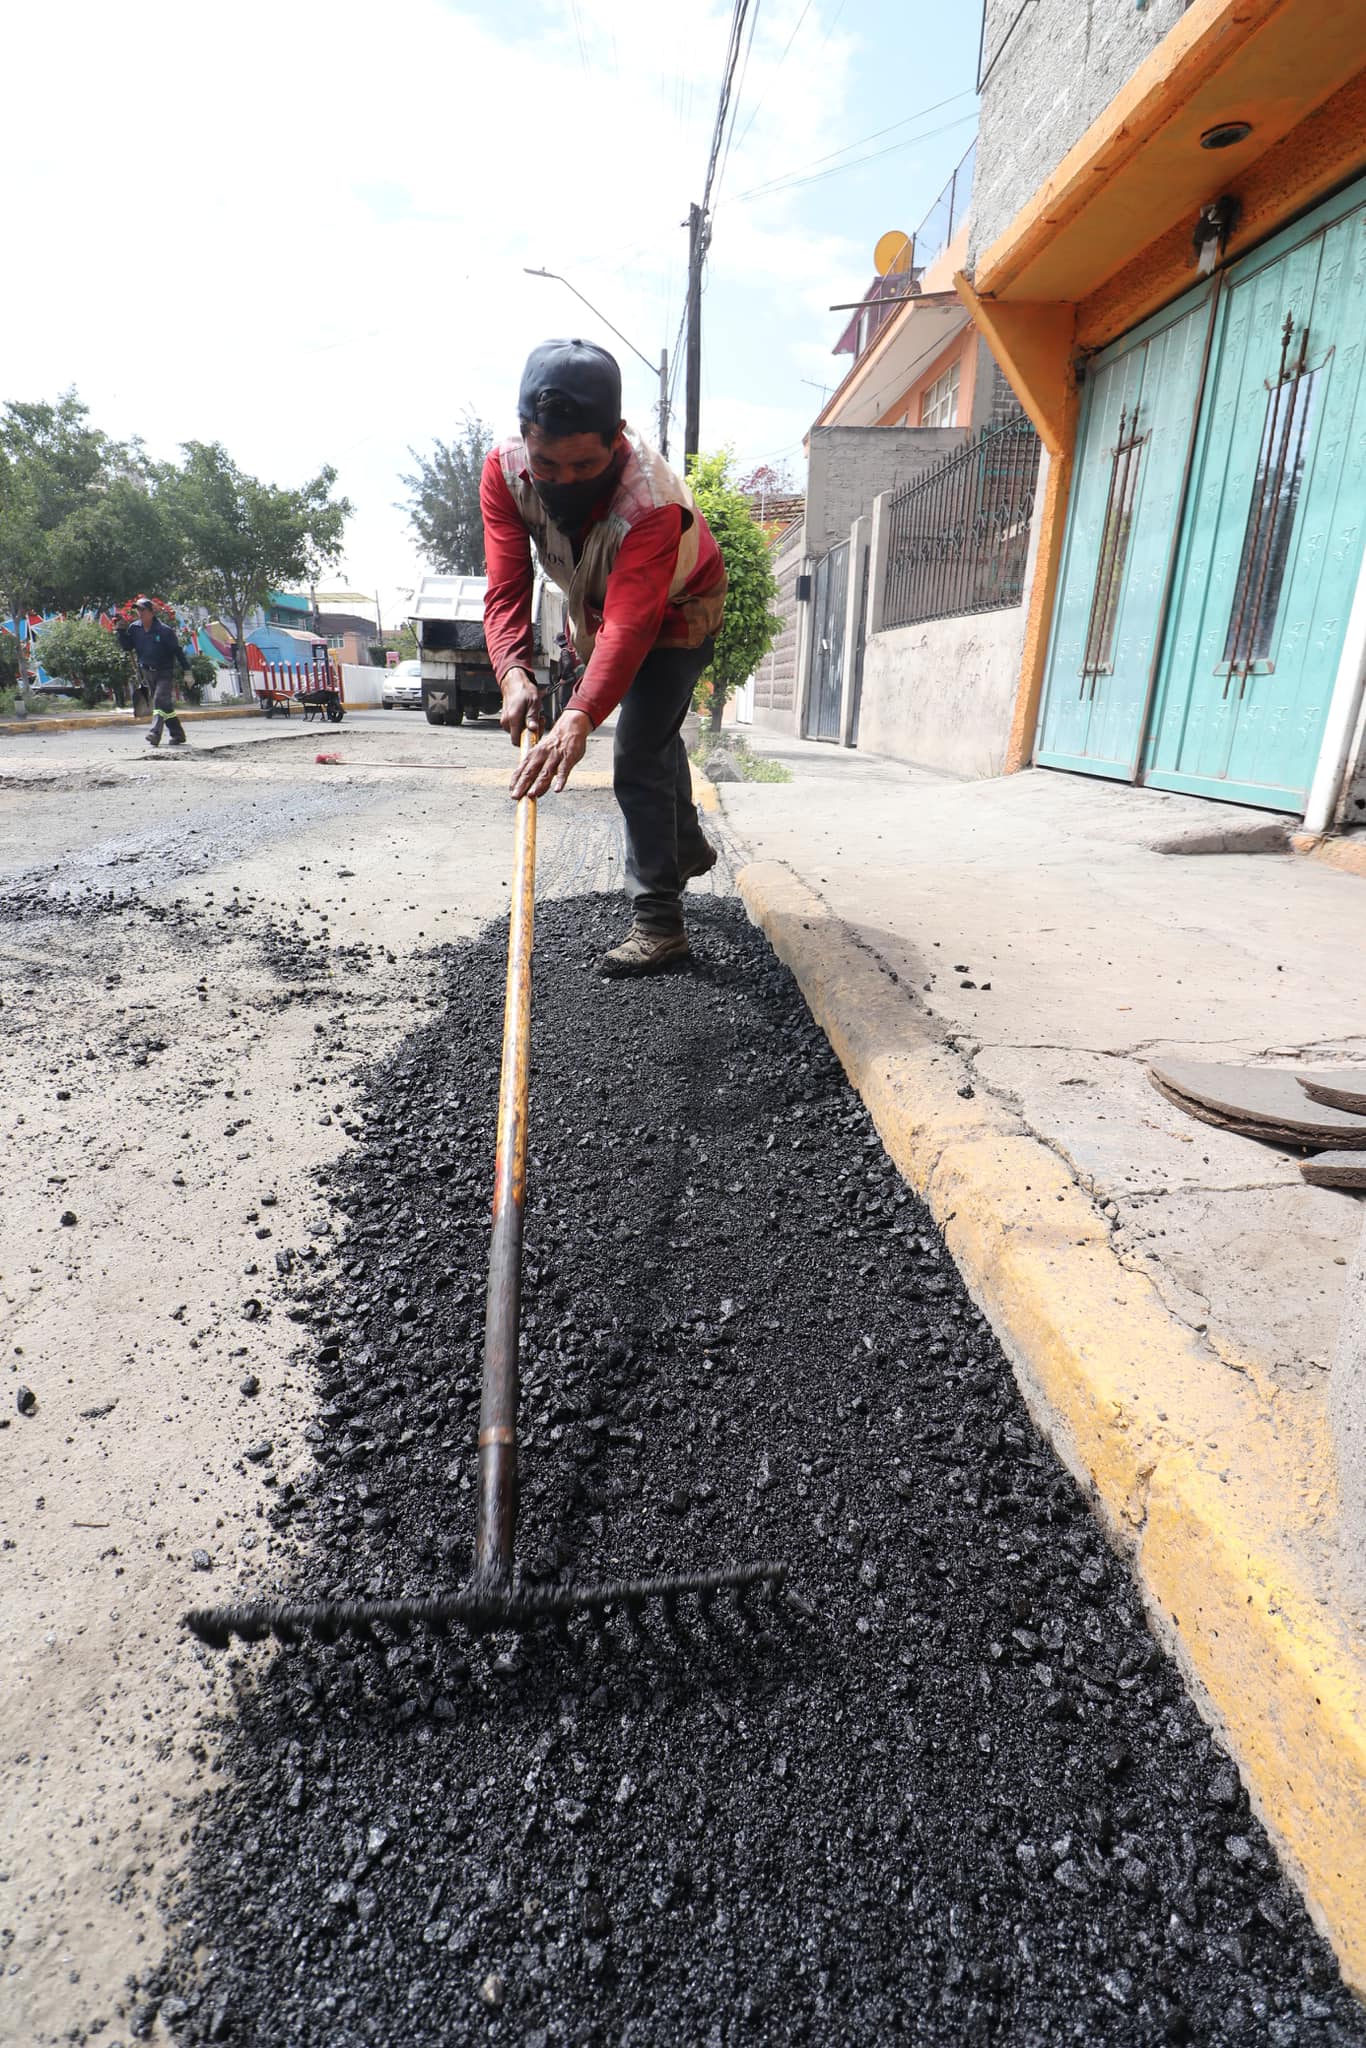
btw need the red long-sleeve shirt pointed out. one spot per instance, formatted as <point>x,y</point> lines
<point>635,608</point>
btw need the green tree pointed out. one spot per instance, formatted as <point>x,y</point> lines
<point>243,538</point>
<point>82,519</point>
<point>203,675</point>
<point>120,542</point>
<point>51,463</point>
<point>83,652</point>
<point>750,625</point>
<point>443,503</point>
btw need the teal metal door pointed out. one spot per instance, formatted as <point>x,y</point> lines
<point>1272,545</point>
<point>1133,444</point>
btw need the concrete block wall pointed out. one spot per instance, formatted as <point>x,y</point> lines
<point>848,466</point>
<point>1063,64</point>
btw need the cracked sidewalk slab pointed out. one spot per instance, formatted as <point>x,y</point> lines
<point>1221,1491</point>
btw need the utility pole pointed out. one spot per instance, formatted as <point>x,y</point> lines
<point>664,402</point>
<point>693,363</point>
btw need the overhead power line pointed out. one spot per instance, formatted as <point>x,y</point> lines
<point>773,75</point>
<point>737,96</point>
<point>739,12</point>
<point>797,174</point>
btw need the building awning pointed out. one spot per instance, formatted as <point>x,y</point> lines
<point>919,331</point>
<point>1140,171</point>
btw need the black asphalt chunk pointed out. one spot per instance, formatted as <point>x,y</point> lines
<point>970,1803</point>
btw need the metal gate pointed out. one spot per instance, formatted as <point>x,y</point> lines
<point>1214,538</point>
<point>860,642</point>
<point>1272,541</point>
<point>829,592</point>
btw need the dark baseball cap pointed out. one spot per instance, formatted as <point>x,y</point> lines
<point>571,387</point>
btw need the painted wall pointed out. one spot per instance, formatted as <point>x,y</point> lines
<point>977,377</point>
<point>362,683</point>
<point>279,644</point>
<point>1063,64</point>
<point>848,466</point>
<point>941,694</point>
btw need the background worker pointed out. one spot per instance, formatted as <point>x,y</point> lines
<point>158,653</point>
<point>644,585</point>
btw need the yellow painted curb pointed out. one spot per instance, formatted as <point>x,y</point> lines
<point>1224,1502</point>
<point>704,792</point>
<point>1347,855</point>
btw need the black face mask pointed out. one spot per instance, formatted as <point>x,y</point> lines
<point>571,505</point>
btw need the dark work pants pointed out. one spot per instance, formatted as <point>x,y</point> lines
<point>654,787</point>
<point>162,688</point>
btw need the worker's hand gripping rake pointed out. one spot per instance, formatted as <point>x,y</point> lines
<point>492,1599</point>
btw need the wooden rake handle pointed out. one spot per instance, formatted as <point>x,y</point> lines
<point>496,1514</point>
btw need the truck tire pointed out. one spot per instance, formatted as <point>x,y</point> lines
<point>435,717</point>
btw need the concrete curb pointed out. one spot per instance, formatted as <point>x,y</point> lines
<point>704,791</point>
<point>1347,855</point>
<point>1222,1501</point>
<point>98,723</point>
<point>19,727</point>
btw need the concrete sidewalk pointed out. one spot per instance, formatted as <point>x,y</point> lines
<point>995,963</point>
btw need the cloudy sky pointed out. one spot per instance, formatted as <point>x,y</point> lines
<point>302,228</point>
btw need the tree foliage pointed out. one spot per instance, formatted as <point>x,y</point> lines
<point>83,652</point>
<point>750,625</point>
<point>82,518</point>
<point>203,676</point>
<point>443,501</point>
<point>86,521</point>
<point>243,538</point>
<point>769,480</point>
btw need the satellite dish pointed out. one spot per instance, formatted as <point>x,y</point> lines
<point>892,256</point>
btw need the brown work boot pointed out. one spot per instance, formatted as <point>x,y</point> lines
<point>703,865</point>
<point>645,952</point>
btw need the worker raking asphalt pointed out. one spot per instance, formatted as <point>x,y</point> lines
<point>971,1803</point>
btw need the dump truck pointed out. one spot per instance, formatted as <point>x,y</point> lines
<point>457,674</point>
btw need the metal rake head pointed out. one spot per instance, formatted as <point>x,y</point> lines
<point>491,1607</point>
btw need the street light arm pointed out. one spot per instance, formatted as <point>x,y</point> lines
<point>653,368</point>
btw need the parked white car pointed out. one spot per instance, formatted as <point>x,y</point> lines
<point>403,687</point>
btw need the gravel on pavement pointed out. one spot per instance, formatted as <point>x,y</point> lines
<point>970,1803</point>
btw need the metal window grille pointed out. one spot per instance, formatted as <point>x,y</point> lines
<point>1098,656</point>
<point>959,535</point>
<point>1271,515</point>
<point>939,405</point>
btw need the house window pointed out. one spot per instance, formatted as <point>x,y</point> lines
<point>335,641</point>
<point>939,405</point>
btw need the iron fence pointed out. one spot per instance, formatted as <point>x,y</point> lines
<point>959,534</point>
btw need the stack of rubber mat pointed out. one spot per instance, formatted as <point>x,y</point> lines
<point>1319,1112</point>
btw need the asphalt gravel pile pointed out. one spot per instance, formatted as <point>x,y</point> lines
<point>970,1803</point>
